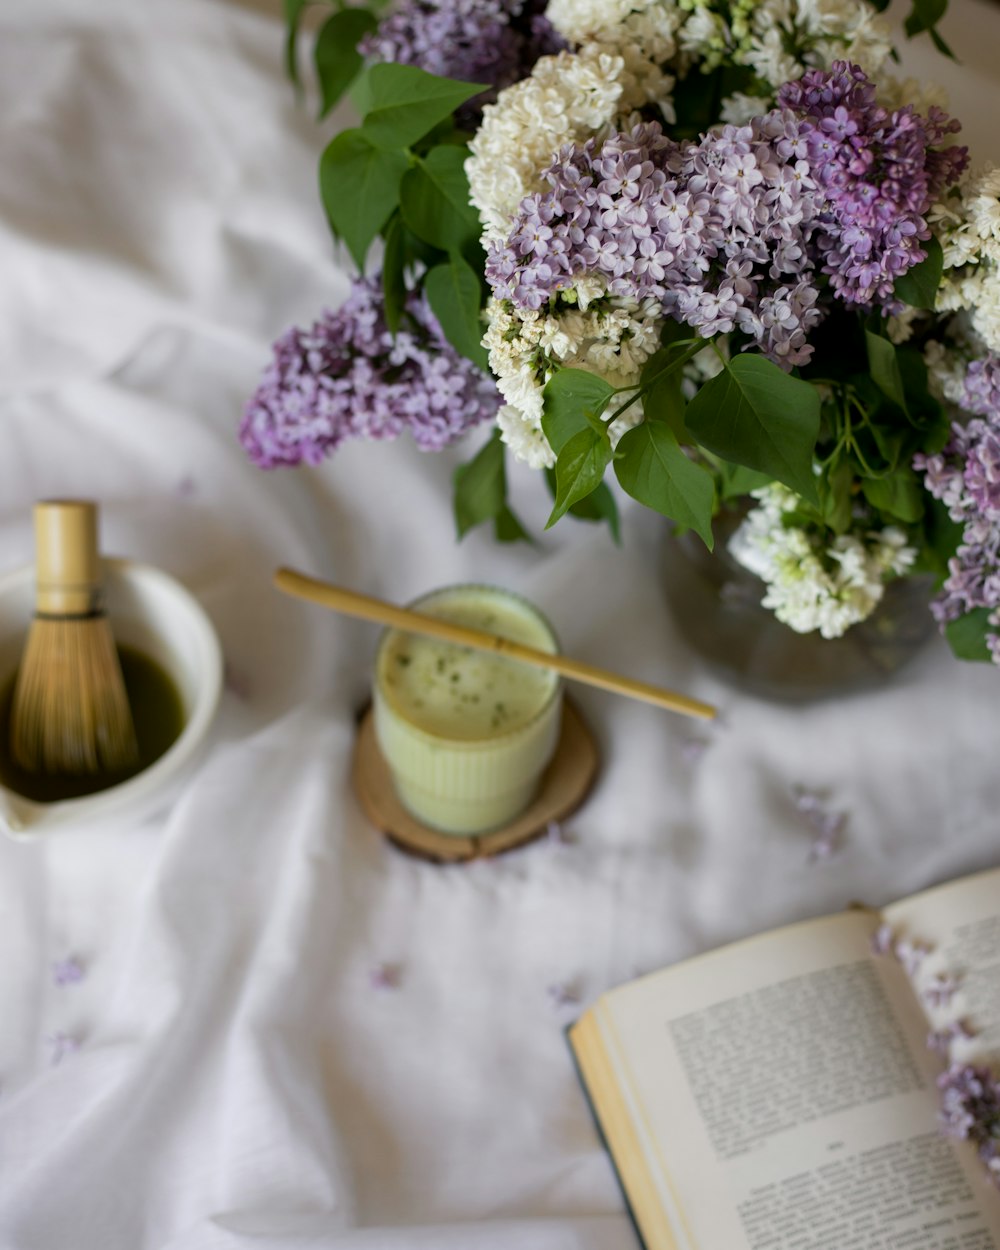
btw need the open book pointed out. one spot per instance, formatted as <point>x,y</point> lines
<point>778,1094</point>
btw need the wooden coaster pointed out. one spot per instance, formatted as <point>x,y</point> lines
<point>565,784</point>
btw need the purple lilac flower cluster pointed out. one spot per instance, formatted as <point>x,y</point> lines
<point>970,1111</point>
<point>715,230</point>
<point>348,377</point>
<point>732,231</point>
<point>879,173</point>
<point>489,41</point>
<point>966,478</point>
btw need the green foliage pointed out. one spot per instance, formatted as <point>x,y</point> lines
<point>662,399</point>
<point>755,415</point>
<point>361,93</point>
<point>967,635</point>
<point>454,293</point>
<point>698,98</point>
<point>885,368</point>
<point>599,505</point>
<point>338,61</point>
<point>394,273</point>
<point>925,15</point>
<point>435,199</point>
<point>480,486</point>
<point>360,185</point>
<point>836,497</point>
<point>573,399</point>
<point>652,468</point>
<point>942,537</point>
<point>350,32</point>
<point>580,469</point>
<point>898,494</point>
<point>920,403</point>
<point>294,10</point>
<point>736,480</point>
<point>918,287</point>
<point>508,529</point>
<point>401,103</point>
<point>480,494</point>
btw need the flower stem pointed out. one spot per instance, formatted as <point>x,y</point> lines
<point>668,368</point>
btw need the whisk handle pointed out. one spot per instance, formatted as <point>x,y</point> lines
<point>67,566</point>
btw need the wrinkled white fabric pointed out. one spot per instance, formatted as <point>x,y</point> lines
<point>240,1083</point>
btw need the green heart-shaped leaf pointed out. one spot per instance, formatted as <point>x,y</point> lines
<point>360,189</point>
<point>435,199</point>
<point>454,294</point>
<point>579,470</point>
<point>572,398</point>
<point>402,103</point>
<point>652,467</point>
<point>755,414</point>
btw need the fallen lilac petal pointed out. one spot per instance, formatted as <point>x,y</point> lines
<point>67,971</point>
<point>827,825</point>
<point>807,800</point>
<point>961,1031</point>
<point>557,833</point>
<point>186,487</point>
<point>235,681</point>
<point>62,1044</point>
<point>692,749</point>
<point>911,955</point>
<point>940,991</point>
<point>564,993</point>
<point>826,847</point>
<point>386,976</point>
<point>940,1040</point>
<point>882,940</point>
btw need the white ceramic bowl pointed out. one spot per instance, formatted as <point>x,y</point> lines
<point>156,614</point>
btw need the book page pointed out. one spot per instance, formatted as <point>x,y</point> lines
<point>784,1099</point>
<point>960,924</point>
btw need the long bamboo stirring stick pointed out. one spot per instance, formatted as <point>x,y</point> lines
<point>351,603</point>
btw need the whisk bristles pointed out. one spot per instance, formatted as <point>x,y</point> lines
<point>70,712</point>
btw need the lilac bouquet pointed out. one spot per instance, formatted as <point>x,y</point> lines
<point>713,246</point>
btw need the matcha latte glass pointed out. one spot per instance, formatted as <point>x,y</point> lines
<point>467,734</point>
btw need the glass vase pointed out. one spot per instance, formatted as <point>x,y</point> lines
<point>716,603</point>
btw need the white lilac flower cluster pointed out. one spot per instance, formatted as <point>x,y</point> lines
<point>583,328</point>
<point>812,583</point>
<point>781,39</point>
<point>968,226</point>
<point>616,69</point>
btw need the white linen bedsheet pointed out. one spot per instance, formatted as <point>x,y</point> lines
<point>232,1072</point>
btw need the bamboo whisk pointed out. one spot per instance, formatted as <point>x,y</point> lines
<point>70,712</point>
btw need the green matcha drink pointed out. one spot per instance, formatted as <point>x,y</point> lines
<point>467,734</point>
